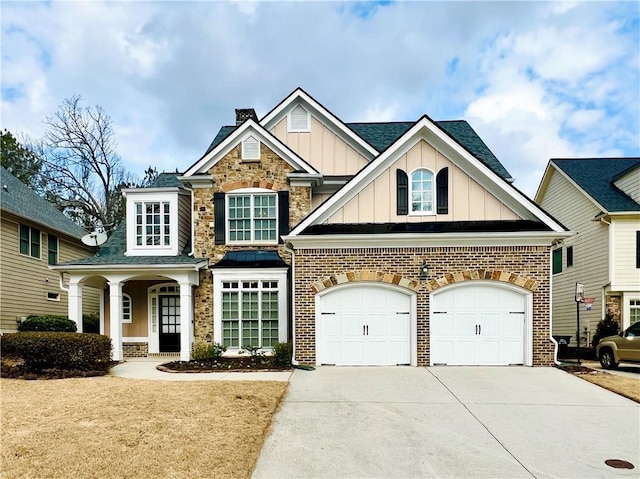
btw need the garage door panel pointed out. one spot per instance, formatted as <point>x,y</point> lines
<point>480,326</point>
<point>363,327</point>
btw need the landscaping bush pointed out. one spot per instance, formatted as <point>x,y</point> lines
<point>606,327</point>
<point>58,350</point>
<point>208,351</point>
<point>48,322</point>
<point>90,324</point>
<point>282,353</point>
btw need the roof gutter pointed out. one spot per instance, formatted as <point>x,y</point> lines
<point>129,267</point>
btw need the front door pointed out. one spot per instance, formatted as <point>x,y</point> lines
<point>169,324</point>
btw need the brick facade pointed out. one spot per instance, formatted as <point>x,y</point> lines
<point>135,350</point>
<point>523,266</point>
<point>232,173</point>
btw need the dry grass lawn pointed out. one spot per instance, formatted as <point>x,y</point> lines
<point>627,387</point>
<point>110,427</point>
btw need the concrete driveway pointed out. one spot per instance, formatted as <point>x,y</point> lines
<point>453,422</point>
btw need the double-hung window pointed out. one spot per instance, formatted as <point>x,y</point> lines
<point>251,218</point>
<point>422,192</point>
<point>30,241</point>
<point>52,249</point>
<point>153,224</point>
<point>250,313</point>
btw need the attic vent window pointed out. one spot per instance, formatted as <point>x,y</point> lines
<point>299,119</point>
<point>251,149</point>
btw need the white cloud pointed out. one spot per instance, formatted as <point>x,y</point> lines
<point>532,78</point>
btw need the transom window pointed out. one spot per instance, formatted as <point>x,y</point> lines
<point>250,313</point>
<point>422,193</point>
<point>52,249</point>
<point>251,218</point>
<point>153,225</point>
<point>30,241</point>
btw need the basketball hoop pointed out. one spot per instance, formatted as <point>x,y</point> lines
<point>579,292</point>
<point>588,302</point>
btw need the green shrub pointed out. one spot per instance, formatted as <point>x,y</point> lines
<point>282,353</point>
<point>90,323</point>
<point>48,322</point>
<point>208,351</point>
<point>254,351</point>
<point>606,327</point>
<point>58,350</point>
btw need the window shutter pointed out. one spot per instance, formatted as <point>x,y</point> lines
<point>442,191</point>
<point>283,214</point>
<point>402,191</point>
<point>299,119</point>
<point>637,249</point>
<point>251,149</point>
<point>219,217</point>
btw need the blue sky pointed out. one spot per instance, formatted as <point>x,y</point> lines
<point>536,80</point>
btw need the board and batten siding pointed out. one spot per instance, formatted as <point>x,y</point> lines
<point>590,258</point>
<point>376,203</point>
<point>25,281</point>
<point>321,148</point>
<point>624,275</point>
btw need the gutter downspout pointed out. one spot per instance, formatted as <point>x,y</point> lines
<point>555,343</point>
<point>289,249</point>
<point>62,287</point>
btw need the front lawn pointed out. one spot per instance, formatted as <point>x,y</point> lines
<point>112,427</point>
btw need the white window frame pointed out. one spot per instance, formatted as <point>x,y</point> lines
<point>153,307</point>
<point>126,319</point>
<point>134,197</point>
<point>240,275</point>
<point>291,128</point>
<point>252,193</point>
<point>143,236</point>
<point>53,296</point>
<point>433,193</point>
<point>251,155</point>
<point>29,245</point>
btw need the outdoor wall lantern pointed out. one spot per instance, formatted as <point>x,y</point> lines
<point>424,270</point>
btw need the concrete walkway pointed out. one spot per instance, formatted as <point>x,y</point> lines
<point>146,369</point>
<point>449,422</point>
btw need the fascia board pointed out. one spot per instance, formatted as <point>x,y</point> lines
<point>544,182</point>
<point>579,188</point>
<point>130,267</point>
<point>215,155</point>
<point>426,240</point>
<point>316,109</point>
<point>624,213</point>
<point>149,190</point>
<point>256,273</point>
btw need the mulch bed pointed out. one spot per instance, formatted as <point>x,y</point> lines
<point>15,369</point>
<point>225,364</point>
<point>578,369</point>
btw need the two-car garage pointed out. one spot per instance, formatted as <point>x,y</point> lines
<point>473,323</point>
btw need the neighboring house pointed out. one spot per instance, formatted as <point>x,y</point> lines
<point>365,243</point>
<point>34,235</point>
<point>599,200</point>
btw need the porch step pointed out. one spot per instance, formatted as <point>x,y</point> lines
<point>154,357</point>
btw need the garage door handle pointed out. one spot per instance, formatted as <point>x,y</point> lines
<point>367,329</point>
<point>479,329</point>
<point>516,312</point>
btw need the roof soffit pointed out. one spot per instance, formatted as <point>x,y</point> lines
<point>322,114</point>
<point>425,129</point>
<point>203,165</point>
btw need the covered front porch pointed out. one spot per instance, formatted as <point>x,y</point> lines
<point>145,312</point>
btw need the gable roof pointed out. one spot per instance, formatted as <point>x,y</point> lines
<point>20,200</point>
<point>426,129</point>
<point>235,136</point>
<point>596,176</point>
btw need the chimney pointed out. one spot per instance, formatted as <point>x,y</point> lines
<point>243,114</point>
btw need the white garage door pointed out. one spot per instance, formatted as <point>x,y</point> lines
<point>364,325</point>
<point>477,324</point>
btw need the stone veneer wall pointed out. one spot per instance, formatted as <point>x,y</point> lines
<point>526,266</point>
<point>231,173</point>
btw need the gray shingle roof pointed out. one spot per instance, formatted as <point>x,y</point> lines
<point>112,253</point>
<point>166,180</point>
<point>22,201</point>
<point>382,135</point>
<point>596,176</point>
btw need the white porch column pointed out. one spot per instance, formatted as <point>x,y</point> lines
<point>186,320</point>
<point>115,318</point>
<point>75,303</point>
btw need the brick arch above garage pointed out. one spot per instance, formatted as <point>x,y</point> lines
<point>364,275</point>
<point>482,274</point>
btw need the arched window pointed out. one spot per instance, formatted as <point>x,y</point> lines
<point>422,193</point>
<point>126,308</point>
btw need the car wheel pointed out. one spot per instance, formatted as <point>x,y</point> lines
<point>607,360</point>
